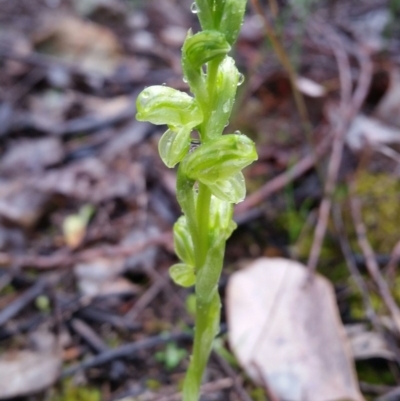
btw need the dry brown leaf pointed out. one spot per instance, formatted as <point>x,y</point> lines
<point>367,130</point>
<point>91,46</point>
<point>367,344</point>
<point>388,109</point>
<point>26,372</point>
<point>289,331</point>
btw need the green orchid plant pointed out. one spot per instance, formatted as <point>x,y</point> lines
<point>209,178</point>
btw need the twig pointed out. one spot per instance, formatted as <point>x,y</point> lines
<point>348,108</point>
<point>371,263</point>
<point>98,345</point>
<point>146,299</point>
<point>124,351</point>
<point>393,261</point>
<point>22,301</point>
<point>279,182</point>
<point>287,65</point>
<point>208,388</point>
<point>92,314</point>
<point>89,335</point>
<point>360,282</point>
<point>352,266</point>
<point>65,258</point>
<point>237,385</point>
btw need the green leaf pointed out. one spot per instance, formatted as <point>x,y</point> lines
<point>205,13</point>
<point>220,159</point>
<point>174,145</point>
<point>163,105</point>
<point>183,241</point>
<point>232,19</point>
<point>182,274</point>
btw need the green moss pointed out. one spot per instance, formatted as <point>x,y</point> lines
<point>375,371</point>
<point>380,196</point>
<point>70,392</point>
<point>258,394</point>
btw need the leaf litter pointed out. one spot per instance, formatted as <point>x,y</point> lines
<point>70,72</point>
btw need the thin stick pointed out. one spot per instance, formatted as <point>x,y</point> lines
<point>65,258</point>
<point>237,385</point>
<point>124,351</point>
<point>371,262</point>
<point>352,266</point>
<point>150,294</point>
<point>360,282</point>
<point>208,388</point>
<point>287,65</point>
<point>280,181</point>
<point>347,111</point>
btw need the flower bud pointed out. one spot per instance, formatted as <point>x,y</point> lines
<point>222,15</point>
<point>203,47</point>
<point>163,105</point>
<point>183,241</point>
<point>220,158</point>
<point>231,189</point>
<point>182,274</point>
<point>174,145</point>
<point>221,224</point>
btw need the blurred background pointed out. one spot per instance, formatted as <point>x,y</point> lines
<point>87,309</point>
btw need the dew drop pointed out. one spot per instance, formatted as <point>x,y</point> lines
<point>241,79</point>
<point>194,9</point>
<point>145,94</point>
<point>163,84</point>
<point>184,79</point>
<point>237,132</point>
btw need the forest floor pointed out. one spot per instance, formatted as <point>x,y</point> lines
<point>87,309</point>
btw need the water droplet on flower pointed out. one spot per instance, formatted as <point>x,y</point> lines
<point>237,132</point>
<point>241,79</point>
<point>194,9</point>
<point>163,84</point>
<point>184,79</point>
<point>145,94</point>
<point>225,107</point>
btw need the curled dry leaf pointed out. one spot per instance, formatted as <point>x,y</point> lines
<point>367,130</point>
<point>288,330</point>
<point>367,344</point>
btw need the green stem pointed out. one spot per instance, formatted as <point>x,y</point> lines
<point>202,217</point>
<point>207,322</point>
<point>207,310</point>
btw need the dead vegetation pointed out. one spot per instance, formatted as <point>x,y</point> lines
<point>87,310</point>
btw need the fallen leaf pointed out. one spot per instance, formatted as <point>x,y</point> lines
<point>91,46</point>
<point>367,130</point>
<point>100,277</point>
<point>31,155</point>
<point>388,108</point>
<point>286,332</point>
<point>367,344</point>
<point>23,206</point>
<point>26,372</point>
<point>309,87</point>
